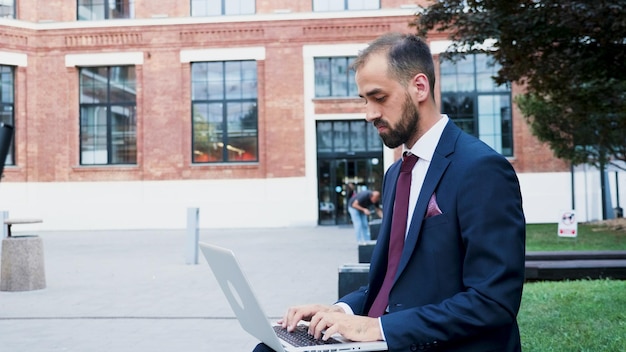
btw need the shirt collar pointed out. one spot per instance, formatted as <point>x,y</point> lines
<point>425,147</point>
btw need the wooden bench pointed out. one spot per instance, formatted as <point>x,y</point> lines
<point>574,255</point>
<point>575,265</point>
<point>22,267</point>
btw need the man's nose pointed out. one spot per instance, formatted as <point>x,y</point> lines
<point>372,114</point>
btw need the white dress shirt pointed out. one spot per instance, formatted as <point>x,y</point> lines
<point>424,149</point>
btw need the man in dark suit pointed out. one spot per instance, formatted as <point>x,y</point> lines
<point>458,283</point>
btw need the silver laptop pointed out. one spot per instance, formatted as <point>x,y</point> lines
<point>244,303</point>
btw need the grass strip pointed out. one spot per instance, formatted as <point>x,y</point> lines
<point>566,316</point>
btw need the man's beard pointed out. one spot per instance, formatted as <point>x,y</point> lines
<point>404,129</point>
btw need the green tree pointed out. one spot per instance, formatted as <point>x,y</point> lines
<point>569,56</point>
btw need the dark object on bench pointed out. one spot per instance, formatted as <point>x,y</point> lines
<point>374,228</point>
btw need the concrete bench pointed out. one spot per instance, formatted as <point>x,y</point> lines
<point>365,251</point>
<point>351,277</point>
<point>11,222</point>
<point>22,266</point>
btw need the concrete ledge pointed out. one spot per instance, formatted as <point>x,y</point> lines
<point>22,266</point>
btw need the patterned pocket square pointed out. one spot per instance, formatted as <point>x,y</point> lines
<point>433,208</point>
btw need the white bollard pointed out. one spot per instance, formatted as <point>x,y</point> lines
<point>4,229</point>
<point>192,235</point>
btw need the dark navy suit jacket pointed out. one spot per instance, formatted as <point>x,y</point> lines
<point>460,279</point>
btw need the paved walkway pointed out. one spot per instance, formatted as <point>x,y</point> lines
<point>132,291</point>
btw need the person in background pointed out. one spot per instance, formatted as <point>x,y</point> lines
<point>447,271</point>
<point>359,208</point>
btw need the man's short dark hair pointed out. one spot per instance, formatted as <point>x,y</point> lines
<point>407,54</point>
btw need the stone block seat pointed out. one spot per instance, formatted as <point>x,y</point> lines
<point>22,265</point>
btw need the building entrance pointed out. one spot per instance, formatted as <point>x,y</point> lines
<point>348,152</point>
<point>335,178</point>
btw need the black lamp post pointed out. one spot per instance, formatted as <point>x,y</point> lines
<point>6,135</point>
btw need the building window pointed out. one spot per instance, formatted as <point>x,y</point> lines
<point>222,7</point>
<point>334,78</point>
<point>7,9</point>
<point>7,104</point>
<point>341,5</point>
<point>92,10</point>
<point>108,125</point>
<point>475,103</point>
<point>224,111</point>
<point>340,138</point>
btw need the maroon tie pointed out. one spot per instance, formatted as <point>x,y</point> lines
<point>398,231</point>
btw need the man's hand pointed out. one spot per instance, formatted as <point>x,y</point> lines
<point>352,327</point>
<point>305,312</point>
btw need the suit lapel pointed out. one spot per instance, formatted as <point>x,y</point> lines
<point>391,181</point>
<point>437,168</point>
<point>379,256</point>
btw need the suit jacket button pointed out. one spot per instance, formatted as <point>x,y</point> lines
<point>413,347</point>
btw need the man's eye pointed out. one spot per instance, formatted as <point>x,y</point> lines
<point>380,99</point>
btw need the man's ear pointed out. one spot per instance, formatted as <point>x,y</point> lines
<point>420,85</point>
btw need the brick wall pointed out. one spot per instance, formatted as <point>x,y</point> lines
<point>46,109</point>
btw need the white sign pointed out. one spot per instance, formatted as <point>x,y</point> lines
<point>568,225</point>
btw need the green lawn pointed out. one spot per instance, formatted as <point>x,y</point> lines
<point>543,237</point>
<point>566,316</point>
<point>582,315</point>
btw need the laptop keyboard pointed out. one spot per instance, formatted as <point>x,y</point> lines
<point>300,336</point>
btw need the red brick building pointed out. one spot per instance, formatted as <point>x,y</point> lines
<point>128,112</point>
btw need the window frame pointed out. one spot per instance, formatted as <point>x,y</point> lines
<point>346,6</point>
<point>349,77</point>
<point>12,14</point>
<point>475,95</point>
<point>106,15</point>
<point>223,8</point>
<point>346,138</point>
<point>109,106</point>
<point>223,103</point>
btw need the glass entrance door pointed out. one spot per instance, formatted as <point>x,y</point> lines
<point>348,152</point>
<point>335,176</point>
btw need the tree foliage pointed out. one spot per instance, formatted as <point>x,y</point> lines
<point>569,56</point>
